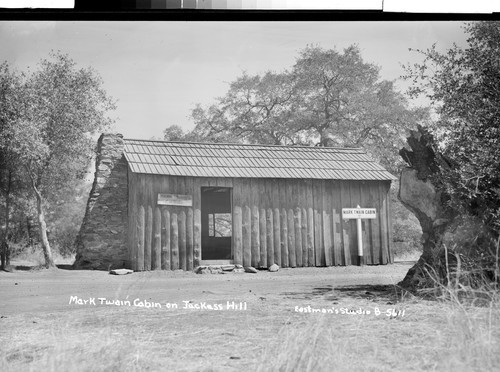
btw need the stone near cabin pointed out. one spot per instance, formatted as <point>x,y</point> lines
<point>238,266</point>
<point>227,267</point>
<point>250,269</point>
<point>199,269</point>
<point>238,270</point>
<point>121,271</point>
<point>273,268</point>
<point>215,270</point>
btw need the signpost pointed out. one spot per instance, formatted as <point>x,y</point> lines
<point>358,214</point>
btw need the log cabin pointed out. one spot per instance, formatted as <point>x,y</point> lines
<point>157,205</point>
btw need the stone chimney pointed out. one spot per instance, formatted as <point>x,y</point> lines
<point>102,241</point>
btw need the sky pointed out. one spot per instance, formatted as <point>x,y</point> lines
<point>159,71</point>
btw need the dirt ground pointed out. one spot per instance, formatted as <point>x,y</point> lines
<point>46,291</point>
<point>90,320</point>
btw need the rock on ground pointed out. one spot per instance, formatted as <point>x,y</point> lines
<point>121,271</point>
<point>273,268</point>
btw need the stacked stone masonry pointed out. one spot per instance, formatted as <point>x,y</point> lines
<point>102,241</point>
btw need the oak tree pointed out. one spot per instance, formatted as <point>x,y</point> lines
<point>328,98</point>
<point>61,108</point>
<point>458,157</point>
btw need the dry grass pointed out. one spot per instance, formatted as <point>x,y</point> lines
<point>438,335</point>
<point>432,336</point>
<point>34,257</point>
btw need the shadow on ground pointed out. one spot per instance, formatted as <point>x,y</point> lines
<point>13,268</point>
<point>389,293</point>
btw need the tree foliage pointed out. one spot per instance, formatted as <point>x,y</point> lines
<point>464,86</point>
<point>58,108</point>
<point>328,98</point>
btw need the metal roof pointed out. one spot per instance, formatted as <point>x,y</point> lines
<point>251,161</point>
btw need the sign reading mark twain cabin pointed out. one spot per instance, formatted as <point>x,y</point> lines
<point>359,214</point>
<point>175,199</point>
<point>179,205</point>
<point>348,213</point>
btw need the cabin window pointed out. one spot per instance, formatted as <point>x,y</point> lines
<point>219,224</point>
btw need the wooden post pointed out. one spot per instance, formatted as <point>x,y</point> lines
<point>327,238</point>
<point>310,237</point>
<point>174,241</point>
<point>292,259</point>
<point>197,238</point>
<point>359,231</point>
<point>147,240</point>
<point>305,261</point>
<point>345,198</point>
<point>263,238</point>
<point>298,236</point>
<point>270,237</point>
<point>390,236</point>
<point>165,239</point>
<point>247,236</point>
<point>384,229</point>
<point>337,239</point>
<point>367,224</point>
<point>189,239</point>
<point>277,237</point>
<point>237,233</point>
<point>255,237</point>
<point>182,240</point>
<point>284,239</point>
<point>157,240</point>
<point>140,240</point>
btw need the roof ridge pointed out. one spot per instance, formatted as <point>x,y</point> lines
<point>247,144</point>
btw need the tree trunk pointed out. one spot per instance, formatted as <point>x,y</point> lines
<point>421,191</point>
<point>5,255</point>
<point>49,261</point>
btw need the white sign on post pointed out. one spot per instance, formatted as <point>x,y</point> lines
<point>175,199</point>
<point>359,214</point>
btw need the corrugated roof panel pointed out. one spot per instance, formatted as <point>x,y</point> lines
<point>185,151</point>
<point>134,167</point>
<point>162,169</point>
<point>195,171</point>
<point>134,148</point>
<point>160,159</point>
<point>132,157</point>
<point>216,172</point>
<point>168,169</point>
<point>147,158</point>
<point>251,162</point>
<point>155,169</point>
<point>258,173</point>
<point>197,161</point>
<point>152,149</point>
<point>290,163</point>
<point>245,172</point>
<point>147,168</point>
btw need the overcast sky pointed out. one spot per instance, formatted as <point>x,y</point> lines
<point>158,71</point>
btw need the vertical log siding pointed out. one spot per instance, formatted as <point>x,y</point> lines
<point>293,223</point>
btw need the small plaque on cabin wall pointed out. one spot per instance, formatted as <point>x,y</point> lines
<point>175,199</point>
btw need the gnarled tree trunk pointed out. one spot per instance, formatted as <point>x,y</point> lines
<point>5,251</point>
<point>421,191</point>
<point>47,252</point>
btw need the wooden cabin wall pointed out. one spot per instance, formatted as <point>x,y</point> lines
<point>293,223</point>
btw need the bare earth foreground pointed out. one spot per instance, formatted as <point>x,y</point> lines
<point>316,319</point>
